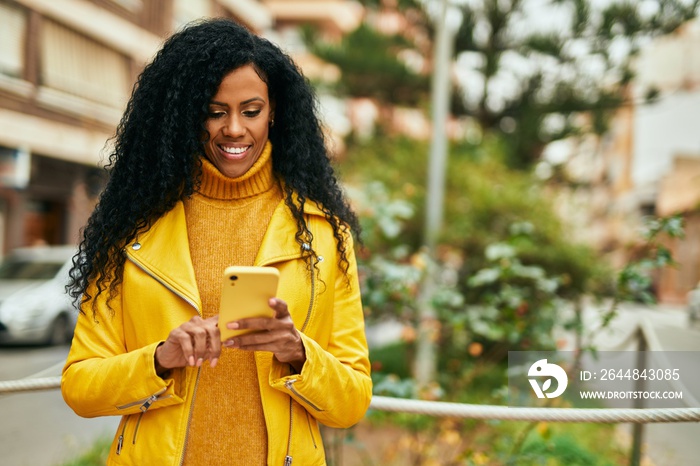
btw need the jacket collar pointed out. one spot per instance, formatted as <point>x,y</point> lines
<point>163,250</point>
<point>279,242</point>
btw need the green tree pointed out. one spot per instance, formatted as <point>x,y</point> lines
<point>534,70</point>
<point>371,67</point>
<point>542,74</point>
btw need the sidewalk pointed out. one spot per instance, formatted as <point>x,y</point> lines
<point>676,444</point>
<point>37,428</point>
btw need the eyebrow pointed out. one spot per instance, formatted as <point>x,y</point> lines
<point>245,102</point>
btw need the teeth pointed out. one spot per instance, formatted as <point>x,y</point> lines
<point>234,150</point>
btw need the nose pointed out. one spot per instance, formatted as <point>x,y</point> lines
<point>233,126</point>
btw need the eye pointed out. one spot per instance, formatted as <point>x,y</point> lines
<point>216,114</point>
<point>251,113</point>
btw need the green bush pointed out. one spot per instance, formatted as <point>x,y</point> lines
<point>504,261</point>
<point>560,450</point>
<point>483,199</point>
<point>95,456</point>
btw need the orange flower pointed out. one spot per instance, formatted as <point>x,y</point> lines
<point>475,349</point>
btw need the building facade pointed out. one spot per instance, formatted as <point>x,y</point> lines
<point>648,164</point>
<point>67,68</point>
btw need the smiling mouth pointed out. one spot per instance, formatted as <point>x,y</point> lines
<point>235,150</point>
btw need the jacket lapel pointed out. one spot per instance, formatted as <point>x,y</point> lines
<point>279,242</point>
<point>164,252</point>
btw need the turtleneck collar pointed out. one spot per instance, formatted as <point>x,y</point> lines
<point>258,179</point>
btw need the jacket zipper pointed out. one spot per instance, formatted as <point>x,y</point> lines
<point>311,431</point>
<point>288,457</point>
<point>136,429</point>
<point>145,404</point>
<point>144,408</point>
<point>189,416</point>
<point>170,288</point>
<point>199,370</point>
<point>120,441</point>
<point>288,384</point>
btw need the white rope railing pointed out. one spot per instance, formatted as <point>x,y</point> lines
<point>604,415</point>
<point>39,382</point>
<point>460,410</point>
<point>29,385</point>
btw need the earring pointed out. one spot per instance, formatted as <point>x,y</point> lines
<point>272,122</point>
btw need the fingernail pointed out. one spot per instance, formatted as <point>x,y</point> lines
<point>214,362</point>
<point>190,360</point>
<point>228,343</point>
<point>232,325</point>
<point>200,361</point>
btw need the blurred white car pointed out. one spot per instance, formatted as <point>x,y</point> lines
<point>34,305</point>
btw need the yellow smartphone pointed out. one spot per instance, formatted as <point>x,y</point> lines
<point>245,292</point>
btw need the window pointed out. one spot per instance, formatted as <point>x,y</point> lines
<point>79,66</point>
<point>12,40</point>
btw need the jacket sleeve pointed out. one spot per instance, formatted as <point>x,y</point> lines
<point>102,378</point>
<point>334,384</point>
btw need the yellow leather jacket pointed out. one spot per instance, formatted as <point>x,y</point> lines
<point>110,368</point>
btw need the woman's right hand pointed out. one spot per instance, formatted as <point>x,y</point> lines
<point>190,344</point>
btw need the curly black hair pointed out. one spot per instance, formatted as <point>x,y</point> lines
<point>156,156</point>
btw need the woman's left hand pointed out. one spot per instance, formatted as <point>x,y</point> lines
<point>275,334</point>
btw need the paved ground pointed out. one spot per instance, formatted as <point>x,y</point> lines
<point>37,428</point>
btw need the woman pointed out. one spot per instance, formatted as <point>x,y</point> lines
<point>219,160</point>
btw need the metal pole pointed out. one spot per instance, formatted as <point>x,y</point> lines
<point>437,162</point>
<point>425,364</point>
<point>639,386</point>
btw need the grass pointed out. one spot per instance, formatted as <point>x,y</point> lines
<point>95,456</point>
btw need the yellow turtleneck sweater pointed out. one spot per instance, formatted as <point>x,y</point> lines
<point>226,221</point>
